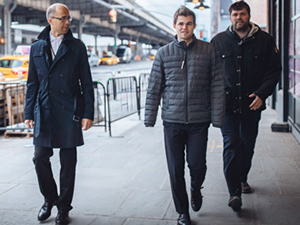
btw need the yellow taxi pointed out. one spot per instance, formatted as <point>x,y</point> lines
<point>14,66</point>
<point>109,60</point>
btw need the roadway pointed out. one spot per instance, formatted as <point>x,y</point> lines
<point>103,72</point>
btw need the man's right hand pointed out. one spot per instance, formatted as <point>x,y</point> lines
<point>29,123</point>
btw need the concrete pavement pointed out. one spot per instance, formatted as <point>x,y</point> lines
<point>123,180</point>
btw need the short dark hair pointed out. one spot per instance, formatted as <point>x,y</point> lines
<point>239,6</point>
<point>183,11</point>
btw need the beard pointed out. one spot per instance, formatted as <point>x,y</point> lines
<point>242,28</point>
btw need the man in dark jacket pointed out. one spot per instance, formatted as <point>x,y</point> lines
<point>252,68</point>
<point>59,104</point>
<point>187,74</point>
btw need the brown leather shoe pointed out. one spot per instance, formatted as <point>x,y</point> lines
<point>246,189</point>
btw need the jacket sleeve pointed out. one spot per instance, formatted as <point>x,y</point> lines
<point>85,78</point>
<point>217,90</point>
<point>155,88</point>
<point>273,71</point>
<point>32,89</point>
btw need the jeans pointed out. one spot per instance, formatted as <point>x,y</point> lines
<point>193,138</point>
<point>239,135</point>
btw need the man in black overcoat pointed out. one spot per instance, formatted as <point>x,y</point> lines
<point>59,105</point>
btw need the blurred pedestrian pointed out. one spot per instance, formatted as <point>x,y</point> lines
<point>252,68</point>
<point>59,104</point>
<point>187,74</point>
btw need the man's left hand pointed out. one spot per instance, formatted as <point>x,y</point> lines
<point>257,102</point>
<point>86,124</point>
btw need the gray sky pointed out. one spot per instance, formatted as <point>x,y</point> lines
<point>162,9</point>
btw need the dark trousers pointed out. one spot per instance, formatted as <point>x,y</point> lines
<point>47,184</point>
<point>239,135</point>
<point>193,138</point>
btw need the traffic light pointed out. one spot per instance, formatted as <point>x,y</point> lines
<point>2,41</point>
<point>113,15</point>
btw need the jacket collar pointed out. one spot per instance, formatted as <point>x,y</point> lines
<point>44,35</point>
<point>254,28</point>
<point>182,44</point>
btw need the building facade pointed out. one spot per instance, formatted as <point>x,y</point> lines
<point>284,24</point>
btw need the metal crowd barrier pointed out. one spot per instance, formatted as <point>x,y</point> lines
<point>135,72</point>
<point>143,86</point>
<point>12,104</point>
<point>100,105</point>
<point>122,98</point>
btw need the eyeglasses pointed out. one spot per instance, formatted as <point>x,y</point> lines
<point>63,19</point>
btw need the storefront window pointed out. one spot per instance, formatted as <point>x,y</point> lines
<point>297,77</point>
<point>292,76</point>
<point>292,39</point>
<point>297,36</point>
<point>297,7</point>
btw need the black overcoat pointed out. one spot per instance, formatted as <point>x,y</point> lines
<point>59,93</point>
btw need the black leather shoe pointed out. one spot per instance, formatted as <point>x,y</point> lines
<point>196,200</point>
<point>184,219</point>
<point>62,218</point>
<point>235,202</point>
<point>45,211</point>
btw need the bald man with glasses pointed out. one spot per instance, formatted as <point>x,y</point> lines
<point>59,105</point>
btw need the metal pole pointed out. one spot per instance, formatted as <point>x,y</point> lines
<point>8,9</point>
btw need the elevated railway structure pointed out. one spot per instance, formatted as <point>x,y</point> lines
<point>133,23</point>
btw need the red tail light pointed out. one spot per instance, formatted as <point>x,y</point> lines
<point>19,72</point>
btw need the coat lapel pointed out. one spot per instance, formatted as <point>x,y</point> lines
<point>48,56</point>
<point>62,50</point>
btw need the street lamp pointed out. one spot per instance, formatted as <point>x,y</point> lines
<point>201,6</point>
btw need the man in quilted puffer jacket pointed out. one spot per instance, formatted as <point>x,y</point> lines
<point>187,75</point>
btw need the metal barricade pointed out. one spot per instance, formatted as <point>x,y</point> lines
<point>12,103</point>
<point>143,86</point>
<point>122,98</point>
<point>100,105</point>
<point>135,72</point>
<point>102,76</point>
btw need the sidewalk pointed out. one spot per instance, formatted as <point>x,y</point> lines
<point>123,180</point>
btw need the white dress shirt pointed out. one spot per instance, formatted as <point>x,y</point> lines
<point>55,43</point>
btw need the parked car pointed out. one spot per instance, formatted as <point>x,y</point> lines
<point>93,59</point>
<point>14,66</point>
<point>109,60</point>
<point>124,53</point>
